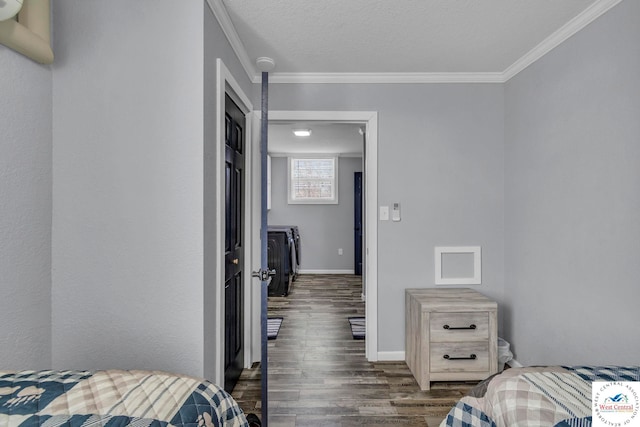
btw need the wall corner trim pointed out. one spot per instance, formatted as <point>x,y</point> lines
<point>221,14</point>
<point>589,15</point>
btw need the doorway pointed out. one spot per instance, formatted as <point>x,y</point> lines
<point>368,120</point>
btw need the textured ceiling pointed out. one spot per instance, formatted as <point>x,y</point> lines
<point>397,36</point>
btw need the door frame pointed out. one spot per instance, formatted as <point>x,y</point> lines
<point>227,84</point>
<point>370,245</point>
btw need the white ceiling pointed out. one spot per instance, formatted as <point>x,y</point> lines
<point>326,138</point>
<point>324,39</point>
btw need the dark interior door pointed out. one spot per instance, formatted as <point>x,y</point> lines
<point>357,219</point>
<point>234,253</point>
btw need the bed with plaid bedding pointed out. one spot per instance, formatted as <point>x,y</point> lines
<point>537,396</point>
<point>113,398</point>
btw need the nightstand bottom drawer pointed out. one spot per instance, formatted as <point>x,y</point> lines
<point>459,357</point>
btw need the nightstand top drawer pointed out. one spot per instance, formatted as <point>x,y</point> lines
<point>451,299</point>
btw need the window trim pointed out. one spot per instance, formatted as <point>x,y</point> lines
<point>334,200</point>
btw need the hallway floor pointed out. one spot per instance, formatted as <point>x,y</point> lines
<point>319,376</point>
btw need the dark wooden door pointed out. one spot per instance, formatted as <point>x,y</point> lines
<point>234,252</point>
<point>357,220</point>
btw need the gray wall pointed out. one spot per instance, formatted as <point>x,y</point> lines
<point>128,185</point>
<point>323,228</point>
<point>25,213</point>
<point>573,196</point>
<point>441,156</point>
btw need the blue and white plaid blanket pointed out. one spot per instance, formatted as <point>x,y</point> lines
<point>541,396</point>
<point>113,398</point>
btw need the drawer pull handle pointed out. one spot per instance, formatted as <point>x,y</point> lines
<point>471,357</point>
<point>472,326</point>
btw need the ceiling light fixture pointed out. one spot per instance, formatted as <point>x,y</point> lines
<point>302,132</point>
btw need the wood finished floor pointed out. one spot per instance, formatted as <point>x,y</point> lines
<point>319,376</point>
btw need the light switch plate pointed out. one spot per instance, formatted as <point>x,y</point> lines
<point>384,213</point>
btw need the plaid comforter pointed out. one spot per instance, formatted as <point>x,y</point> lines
<point>537,396</point>
<point>113,398</point>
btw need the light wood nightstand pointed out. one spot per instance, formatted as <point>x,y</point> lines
<point>450,335</point>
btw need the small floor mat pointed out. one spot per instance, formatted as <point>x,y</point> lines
<point>273,327</point>
<point>358,328</point>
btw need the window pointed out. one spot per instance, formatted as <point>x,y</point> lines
<point>313,180</point>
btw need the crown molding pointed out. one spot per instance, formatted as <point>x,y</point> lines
<point>589,15</point>
<point>576,24</point>
<point>221,14</point>
<point>386,78</point>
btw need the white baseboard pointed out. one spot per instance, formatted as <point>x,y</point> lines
<point>391,356</point>
<point>326,271</point>
<point>514,363</point>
